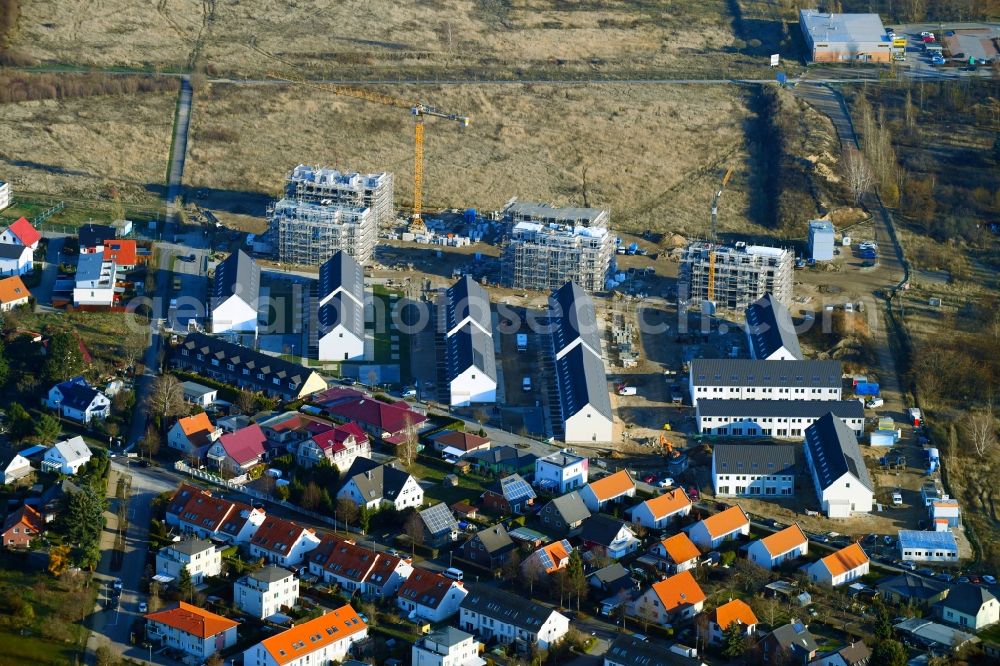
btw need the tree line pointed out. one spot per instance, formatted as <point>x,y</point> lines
<point>23,86</point>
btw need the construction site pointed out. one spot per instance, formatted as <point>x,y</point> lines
<point>729,277</point>
<point>548,247</point>
<point>325,210</point>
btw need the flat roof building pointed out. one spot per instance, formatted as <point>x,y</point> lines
<point>844,37</point>
<point>739,275</point>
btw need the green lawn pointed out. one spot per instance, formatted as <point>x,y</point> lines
<point>469,487</point>
<point>19,649</point>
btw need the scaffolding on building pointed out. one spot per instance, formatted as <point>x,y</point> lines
<point>739,275</point>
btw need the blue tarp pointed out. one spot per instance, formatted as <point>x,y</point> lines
<point>866,388</point>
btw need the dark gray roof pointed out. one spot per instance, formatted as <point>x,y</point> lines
<point>192,546</point>
<point>495,539</point>
<point>582,381</point>
<point>467,298</point>
<point>376,481</point>
<point>77,394</point>
<point>770,327</point>
<point>507,608</point>
<point>630,651</point>
<point>754,458</point>
<point>270,574</point>
<point>11,251</point>
<point>912,586</point>
<point>611,573</point>
<point>571,507</point>
<point>751,372</point>
<point>341,271</point>
<point>238,275</point>
<point>92,235</point>
<point>833,450</point>
<point>439,519</point>
<point>967,598</point>
<point>575,317</point>
<point>562,458</point>
<point>504,454</point>
<point>468,348</point>
<point>342,310</point>
<point>240,357</point>
<point>794,634</point>
<point>845,409</point>
<point>855,654</point>
<point>449,636</point>
<point>601,529</point>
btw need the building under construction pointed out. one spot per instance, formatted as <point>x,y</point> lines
<point>324,211</point>
<point>548,247</point>
<point>736,277</point>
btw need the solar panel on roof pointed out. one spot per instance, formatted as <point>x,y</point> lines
<point>516,488</point>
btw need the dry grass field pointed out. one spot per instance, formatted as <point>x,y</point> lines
<point>382,38</point>
<point>79,148</point>
<point>650,153</point>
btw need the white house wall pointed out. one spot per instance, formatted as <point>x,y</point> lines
<point>339,344</point>
<point>588,425</point>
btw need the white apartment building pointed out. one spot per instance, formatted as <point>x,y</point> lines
<point>561,472</point>
<point>326,639</point>
<point>199,557</point>
<point>266,591</point>
<point>491,613</point>
<point>447,647</point>
<point>783,419</point>
<point>195,631</point>
<point>752,379</point>
<point>95,280</point>
<point>761,470</point>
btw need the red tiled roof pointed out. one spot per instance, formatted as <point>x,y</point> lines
<point>122,252</point>
<point>25,233</point>
<point>384,566</point>
<point>347,559</point>
<point>193,620</point>
<point>310,636</point>
<point>198,507</point>
<point>244,445</point>
<point>277,535</point>
<point>24,515</point>
<point>337,437</point>
<point>426,588</point>
<point>390,418</point>
<point>463,441</point>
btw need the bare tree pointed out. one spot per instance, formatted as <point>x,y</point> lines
<point>414,529</point>
<point>133,345</point>
<point>981,429</point>
<point>346,511</point>
<point>246,401</point>
<point>406,450</point>
<point>151,442</point>
<point>168,397</point>
<point>532,573</point>
<point>858,173</point>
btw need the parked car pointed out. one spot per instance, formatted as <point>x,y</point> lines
<point>962,579</point>
<point>897,499</point>
<point>874,402</point>
<point>926,572</point>
<point>143,607</point>
<point>666,482</point>
<point>989,580</point>
<point>945,577</point>
<point>888,540</point>
<point>975,580</point>
<point>649,478</point>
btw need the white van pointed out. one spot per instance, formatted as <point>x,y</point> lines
<point>453,573</point>
<point>526,384</point>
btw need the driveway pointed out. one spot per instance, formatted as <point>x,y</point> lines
<point>50,271</point>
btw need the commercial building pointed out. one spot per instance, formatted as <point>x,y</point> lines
<point>447,647</point>
<point>548,247</point>
<point>340,309</point>
<point>843,484</point>
<point>770,331</point>
<point>324,640</point>
<point>494,614</point>
<point>738,276</point>
<point>266,591</point>
<point>194,631</point>
<point>844,37</point>
<point>752,379</point>
<point>324,211</point>
<point>469,349</point>
<point>774,418</point>
<point>199,557</point>
<point>236,294</point>
<point>754,470</point>
<point>920,546</point>
<point>560,472</point>
<point>821,236</point>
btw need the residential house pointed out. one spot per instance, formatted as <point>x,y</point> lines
<point>193,435</point>
<point>324,640</point>
<point>757,379</point>
<point>910,589</point>
<point>440,525</point>
<point>358,570</point>
<point>675,598</point>
<point>920,546</point>
<point>201,558</point>
<point>195,511</point>
<point>430,596</point>
<point>733,611</point>
<point>122,253</point>
<point>784,419</point>
<point>229,363</point>
<point>237,452</point>
<point>547,559</point>
<point>726,525</point>
<point>67,457</point>
<point>54,499</point>
<point>21,526</point>
<point>564,514</point>
<point>282,542</point>
<point>15,259</point>
<point>391,422</point>
<point>560,472</point>
<point>761,470</point>
<point>20,232</point>
<point>95,281</point>
<point>194,631</point>
<point>341,446</point>
<point>458,443</point>
<point>585,413</point>
<point>969,606</point>
<point>608,536</point>
<point>15,469</point>
<point>236,294</point>
<point>341,309</point>
<point>627,650</point>
<point>770,332</point>
<point>660,511</point>
<point>854,654</point>
<point>843,485</point>
<point>265,592</point>
<point>842,567</point>
<point>13,293</point>
<point>447,647</point>
<point>615,586</point>
<point>373,485</point>
<point>677,553</point>
<point>775,549</point>
<point>491,614</point>
<point>196,394</point>
<point>78,401</point>
<point>285,431</point>
<point>503,460</point>
<point>92,237</point>
<point>789,643</point>
<point>599,495</point>
<point>469,355</point>
<point>490,548</point>
<point>510,495</point>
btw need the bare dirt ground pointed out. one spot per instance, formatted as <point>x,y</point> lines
<point>81,147</point>
<point>651,154</point>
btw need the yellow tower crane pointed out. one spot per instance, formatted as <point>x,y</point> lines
<point>417,110</point>
<point>712,238</point>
